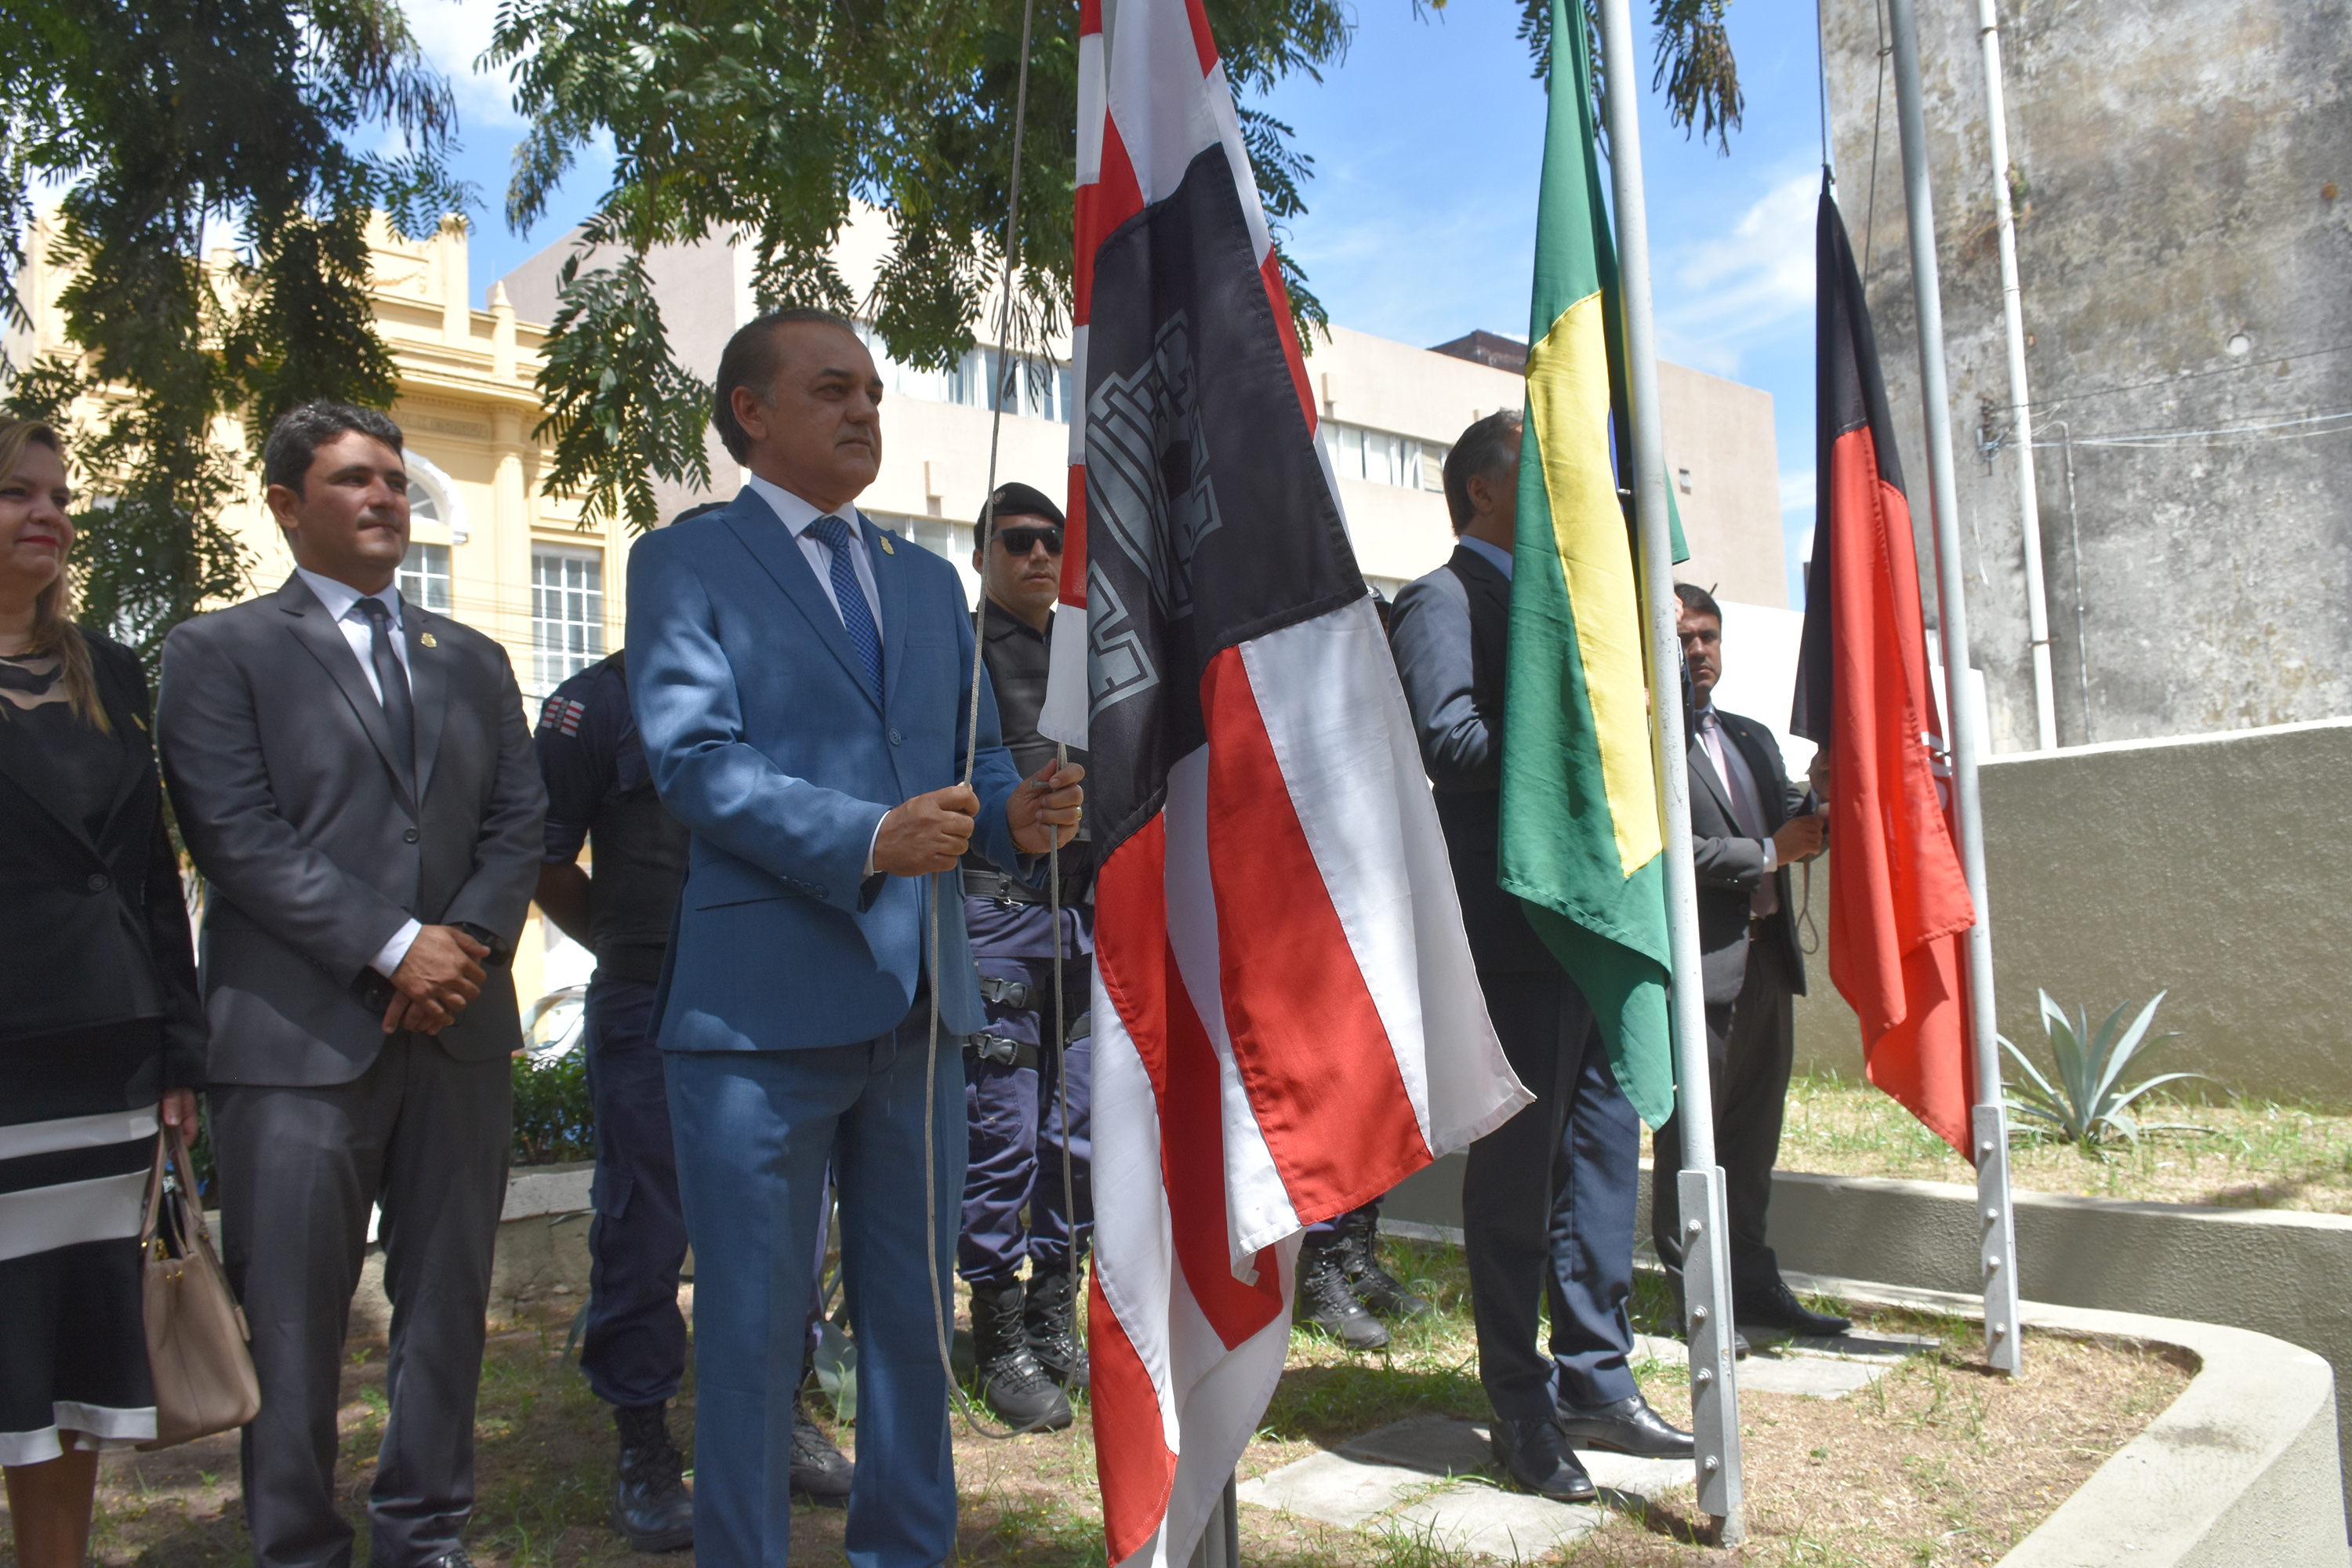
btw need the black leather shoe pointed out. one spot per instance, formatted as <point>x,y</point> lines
<point>1628,1427</point>
<point>651,1505</point>
<point>1780,1309</point>
<point>1739,1346</point>
<point>821,1472</point>
<point>1326,1301</point>
<point>1533,1454</point>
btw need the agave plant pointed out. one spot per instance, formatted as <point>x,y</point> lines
<point>2088,1104</point>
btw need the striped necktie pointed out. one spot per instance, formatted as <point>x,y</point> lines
<point>857,618</point>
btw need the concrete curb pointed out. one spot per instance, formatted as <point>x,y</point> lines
<point>2240,1470</point>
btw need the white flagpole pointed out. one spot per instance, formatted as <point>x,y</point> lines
<point>1989,1124</point>
<point>1706,1258</point>
<point>2012,309</point>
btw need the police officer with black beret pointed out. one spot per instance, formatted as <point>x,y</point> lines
<point>1024,1337</point>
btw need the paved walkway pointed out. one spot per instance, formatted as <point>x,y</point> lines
<point>1434,1475</point>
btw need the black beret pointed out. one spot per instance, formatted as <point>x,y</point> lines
<point>1018,500</point>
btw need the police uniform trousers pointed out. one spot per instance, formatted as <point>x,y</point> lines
<point>755,1131</point>
<point>1015,1203</point>
<point>1547,1204</point>
<point>633,1348</point>
<point>1750,1048</point>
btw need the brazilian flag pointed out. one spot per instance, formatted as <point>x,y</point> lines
<point>1581,840</point>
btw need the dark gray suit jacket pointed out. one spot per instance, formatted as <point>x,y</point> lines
<point>1451,634</point>
<point>318,848</point>
<point>1729,865</point>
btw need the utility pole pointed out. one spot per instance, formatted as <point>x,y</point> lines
<point>1707,1257</point>
<point>1989,1124</point>
<point>2021,405</point>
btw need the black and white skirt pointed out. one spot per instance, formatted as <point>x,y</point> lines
<point>73,1188</point>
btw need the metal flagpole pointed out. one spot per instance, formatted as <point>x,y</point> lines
<point>1706,1258</point>
<point>1989,1124</point>
<point>2012,309</point>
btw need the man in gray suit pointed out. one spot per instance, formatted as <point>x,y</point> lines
<point>1748,826</point>
<point>354,778</point>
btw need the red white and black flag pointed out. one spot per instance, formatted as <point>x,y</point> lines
<point>1899,906</point>
<point>1286,1022</point>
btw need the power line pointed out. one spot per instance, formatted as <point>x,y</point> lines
<point>2263,363</point>
<point>2158,439</point>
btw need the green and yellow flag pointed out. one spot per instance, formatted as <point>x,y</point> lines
<point>1582,838</point>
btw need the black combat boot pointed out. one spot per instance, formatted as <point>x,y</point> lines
<point>1049,1317</point>
<point>1326,1301</point>
<point>1010,1378</point>
<point>651,1505</point>
<point>1383,1294</point>
<point>821,1472</point>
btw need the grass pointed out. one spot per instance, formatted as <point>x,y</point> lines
<point>2243,1153</point>
<point>1939,1462</point>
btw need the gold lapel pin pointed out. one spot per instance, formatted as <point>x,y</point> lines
<point>427,639</point>
<point>138,720</point>
<point>886,549</point>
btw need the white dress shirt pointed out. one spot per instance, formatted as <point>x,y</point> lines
<point>341,601</point>
<point>796,515</point>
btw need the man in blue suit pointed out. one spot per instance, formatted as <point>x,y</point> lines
<point>801,681</point>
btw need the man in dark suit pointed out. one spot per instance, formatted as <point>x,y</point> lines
<point>1548,1199</point>
<point>1749,825</point>
<point>354,778</point>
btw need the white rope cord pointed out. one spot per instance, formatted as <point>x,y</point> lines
<point>971,752</point>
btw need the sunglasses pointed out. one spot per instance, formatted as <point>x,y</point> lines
<point>1022,541</point>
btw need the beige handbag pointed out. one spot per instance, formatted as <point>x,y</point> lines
<point>196,1336</point>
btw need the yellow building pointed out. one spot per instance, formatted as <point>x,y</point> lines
<point>488,549</point>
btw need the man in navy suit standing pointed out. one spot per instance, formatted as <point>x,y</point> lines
<point>801,681</point>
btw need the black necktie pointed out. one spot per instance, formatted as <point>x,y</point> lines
<point>391,680</point>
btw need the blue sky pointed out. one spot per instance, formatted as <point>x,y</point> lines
<point>1427,141</point>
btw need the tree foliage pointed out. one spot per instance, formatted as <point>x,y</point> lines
<point>772,121</point>
<point>171,125</point>
<point>1694,66</point>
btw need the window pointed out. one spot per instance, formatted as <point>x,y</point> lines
<point>422,506</point>
<point>425,572</point>
<point>1027,385</point>
<point>1383,458</point>
<point>948,540</point>
<point>567,614</point>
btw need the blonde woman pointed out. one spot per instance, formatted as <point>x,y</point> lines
<point>99,1027</point>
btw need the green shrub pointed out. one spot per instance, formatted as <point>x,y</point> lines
<point>553,1120</point>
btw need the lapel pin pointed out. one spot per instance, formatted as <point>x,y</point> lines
<point>427,639</point>
<point>138,720</point>
<point>887,549</point>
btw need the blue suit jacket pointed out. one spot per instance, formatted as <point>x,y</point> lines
<point>765,740</point>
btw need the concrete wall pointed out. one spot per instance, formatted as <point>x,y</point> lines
<point>2185,237</point>
<point>2213,868</point>
<point>1727,476</point>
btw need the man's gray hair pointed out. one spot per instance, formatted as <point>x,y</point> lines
<point>1487,446</point>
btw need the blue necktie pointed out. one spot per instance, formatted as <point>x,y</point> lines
<point>857,619</point>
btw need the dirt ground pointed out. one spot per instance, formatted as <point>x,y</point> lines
<point>1940,1462</point>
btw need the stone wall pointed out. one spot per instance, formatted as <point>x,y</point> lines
<point>2185,174</point>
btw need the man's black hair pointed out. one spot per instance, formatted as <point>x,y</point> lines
<point>1699,600</point>
<point>1486,446</point>
<point>752,359</point>
<point>299,434</point>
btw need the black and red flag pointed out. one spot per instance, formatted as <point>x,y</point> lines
<point>1899,906</point>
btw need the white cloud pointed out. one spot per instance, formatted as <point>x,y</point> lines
<point>1754,282</point>
<point>454,35</point>
<point>1797,491</point>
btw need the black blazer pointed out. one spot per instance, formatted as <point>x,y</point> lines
<point>96,930</point>
<point>1729,865</point>
<point>1450,633</point>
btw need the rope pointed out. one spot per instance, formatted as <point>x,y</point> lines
<point>971,754</point>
